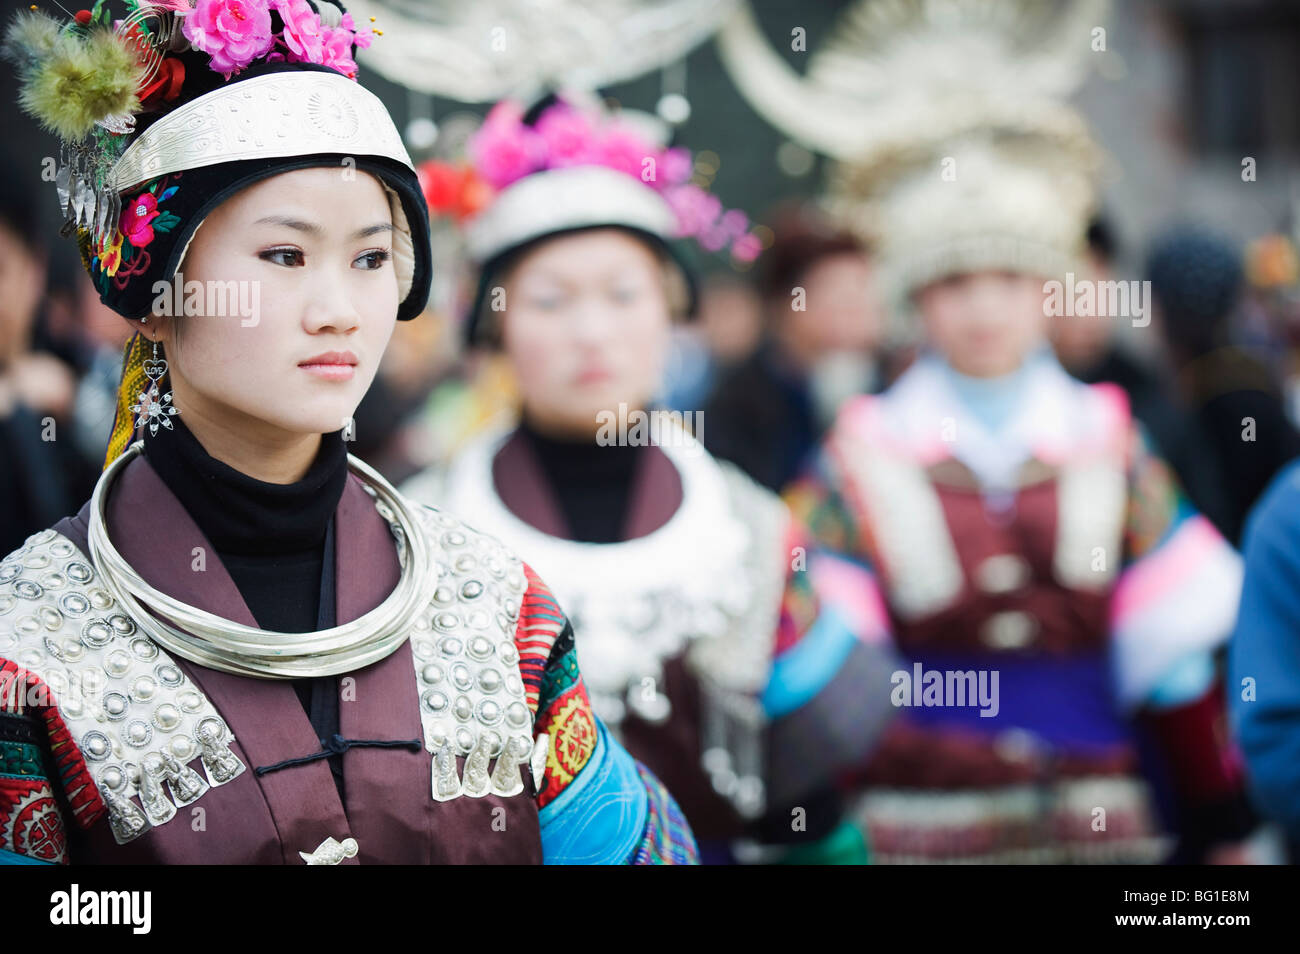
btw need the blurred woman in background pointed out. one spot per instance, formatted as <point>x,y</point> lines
<point>1057,598</point>
<point>712,642</point>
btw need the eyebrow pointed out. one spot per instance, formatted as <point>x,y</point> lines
<point>312,228</point>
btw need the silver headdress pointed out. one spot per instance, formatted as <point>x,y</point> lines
<point>953,146</point>
<point>505,49</point>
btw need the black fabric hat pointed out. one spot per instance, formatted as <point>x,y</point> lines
<point>125,274</point>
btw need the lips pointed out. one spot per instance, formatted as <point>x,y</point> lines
<point>330,358</point>
<point>593,375</point>
<point>331,366</point>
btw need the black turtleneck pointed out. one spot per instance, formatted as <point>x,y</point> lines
<point>592,482</point>
<point>275,540</point>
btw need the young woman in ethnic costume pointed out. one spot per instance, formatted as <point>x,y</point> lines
<point>1055,597</point>
<point>712,643</point>
<point>248,647</point>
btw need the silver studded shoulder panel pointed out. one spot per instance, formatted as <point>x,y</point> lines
<point>473,702</point>
<point>733,665</point>
<point>136,717</point>
<point>738,657</point>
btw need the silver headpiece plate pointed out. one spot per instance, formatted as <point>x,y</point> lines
<point>568,198</point>
<point>277,115</point>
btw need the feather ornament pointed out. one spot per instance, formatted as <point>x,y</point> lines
<point>72,79</point>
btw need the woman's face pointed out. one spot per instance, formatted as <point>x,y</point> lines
<point>586,327</point>
<point>840,310</point>
<point>310,251</point>
<point>984,323</point>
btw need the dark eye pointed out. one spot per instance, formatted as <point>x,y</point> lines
<point>375,260</point>
<point>278,256</point>
<point>546,302</point>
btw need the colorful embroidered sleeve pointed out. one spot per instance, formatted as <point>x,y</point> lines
<point>598,805</point>
<point>32,829</point>
<point>829,687</point>
<point>1178,588</point>
<point>817,502</point>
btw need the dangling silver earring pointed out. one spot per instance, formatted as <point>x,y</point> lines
<point>154,407</point>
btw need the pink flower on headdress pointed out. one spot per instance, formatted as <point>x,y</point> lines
<point>675,167</point>
<point>712,240</point>
<point>136,218</point>
<point>302,33</point>
<point>337,45</point>
<point>746,248</point>
<point>568,134</point>
<point>504,149</point>
<point>730,230</point>
<point>233,33</point>
<point>623,149</point>
<point>695,209</point>
<point>733,223</point>
<point>361,38</point>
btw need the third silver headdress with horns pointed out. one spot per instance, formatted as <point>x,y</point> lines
<point>953,146</point>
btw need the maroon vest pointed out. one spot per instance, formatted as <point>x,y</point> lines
<point>269,818</point>
<point>1010,602</point>
<point>1010,599</point>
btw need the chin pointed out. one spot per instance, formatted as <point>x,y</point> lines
<point>318,418</point>
<point>585,423</point>
<point>570,421</point>
<point>581,403</point>
<point>989,361</point>
<point>330,410</point>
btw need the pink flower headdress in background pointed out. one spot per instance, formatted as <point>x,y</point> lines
<point>508,151</point>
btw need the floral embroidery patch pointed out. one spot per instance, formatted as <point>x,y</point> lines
<point>125,252</point>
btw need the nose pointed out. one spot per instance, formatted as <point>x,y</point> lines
<point>330,304</point>
<point>591,323</point>
<point>987,302</point>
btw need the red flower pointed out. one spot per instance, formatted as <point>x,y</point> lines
<point>136,218</point>
<point>452,190</point>
<point>165,85</point>
<point>438,180</point>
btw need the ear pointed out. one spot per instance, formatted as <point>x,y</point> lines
<point>159,328</point>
